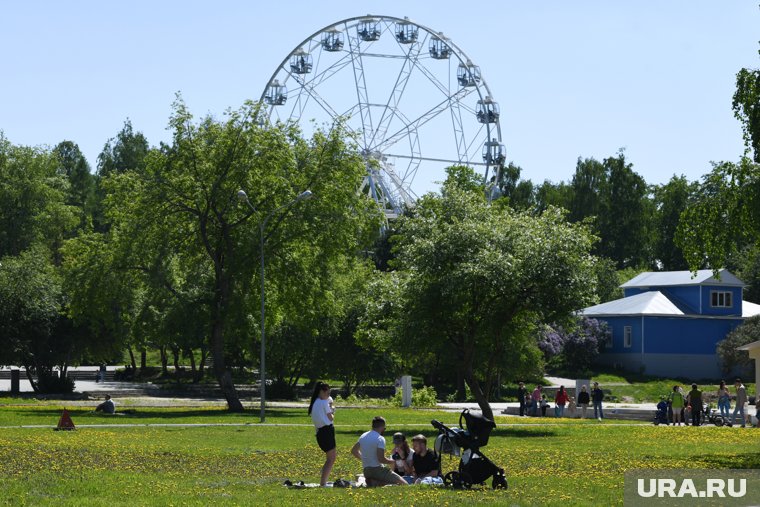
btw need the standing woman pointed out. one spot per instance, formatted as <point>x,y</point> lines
<point>677,402</point>
<point>561,400</point>
<point>724,400</point>
<point>322,412</point>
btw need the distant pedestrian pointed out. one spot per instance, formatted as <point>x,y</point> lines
<point>677,403</point>
<point>102,372</point>
<point>597,396</point>
<point>724,400</point>
<point>695,400</point>
<point>322,412</point>
<point>560,399</point>
<point>521,395</point>
<point>741,399</point>
<point>544,405</point>
<point>535,399</point>
<point>583,400</point>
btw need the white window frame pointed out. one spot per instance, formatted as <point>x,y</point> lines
<point>627,337</point>
<point>721,299</point>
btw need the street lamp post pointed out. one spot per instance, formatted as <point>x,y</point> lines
<point>242,196</point>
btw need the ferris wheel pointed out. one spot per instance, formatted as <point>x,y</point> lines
<point>414,101</point>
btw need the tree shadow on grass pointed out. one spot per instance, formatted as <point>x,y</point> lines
<point>137,414</point>
<point>750,460</point>
<point>432,433</point>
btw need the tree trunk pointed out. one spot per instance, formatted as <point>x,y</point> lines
<point>175,354</point>
<point>202,367</point>
<point>472,381</point>
<point>461,393</point>
<point>480,398</point>
<point>220,370</point>
<point>30,378</point>
<point>132,359</point>
<point>164,361</point>
<point>192,363</point>
<point>143,359</point>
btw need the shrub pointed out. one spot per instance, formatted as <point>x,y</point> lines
<point>730,358</point>
<point>422,397</point>
<point>53,384</point>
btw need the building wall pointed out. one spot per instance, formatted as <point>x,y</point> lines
<point>690,366</point>
<point>736,300</point>
<point>672,346</point>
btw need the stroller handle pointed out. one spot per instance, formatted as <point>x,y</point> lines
<point>438,425</point>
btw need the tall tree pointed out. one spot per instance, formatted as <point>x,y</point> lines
<point>590,190</point>
<point>478,277</point>
<point>624,227</point>
<point>671,200</point>
<point>182,210</point>
<point>73,165</point>
<point>746,105</point>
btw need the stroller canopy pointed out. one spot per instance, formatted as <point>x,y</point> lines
<point>478,427</point>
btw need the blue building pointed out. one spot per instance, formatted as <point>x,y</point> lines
<point>669,323</point>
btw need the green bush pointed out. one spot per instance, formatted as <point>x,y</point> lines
<point>53,384</point>
<point>421,397</point>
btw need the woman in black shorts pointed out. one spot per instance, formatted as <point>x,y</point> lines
<point>322,412</point>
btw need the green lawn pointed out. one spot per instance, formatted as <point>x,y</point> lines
<point>573,463</point>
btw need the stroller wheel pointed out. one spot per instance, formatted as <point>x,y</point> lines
<point>466,480</point>
<point>499,481</point>
<point>718,421</point>
<point>452,480</point>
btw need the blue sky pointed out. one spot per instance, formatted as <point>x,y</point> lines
<point>572,78</point>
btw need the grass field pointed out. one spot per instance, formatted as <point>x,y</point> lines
<point>572,463</point>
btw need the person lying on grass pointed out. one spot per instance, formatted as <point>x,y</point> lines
<point>370,450</point>
<point>424,461</point>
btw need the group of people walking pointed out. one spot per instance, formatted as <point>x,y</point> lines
<point>536,403</point>
<point>406,465</point>
<point>679,402</point>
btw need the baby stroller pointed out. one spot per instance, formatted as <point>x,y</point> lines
<point>712,416</point>
<point>661,415</point>
<point>466,441</point>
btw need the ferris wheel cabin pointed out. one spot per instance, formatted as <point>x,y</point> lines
<point>276,94</point>
<point>406,32</point>
<point>487,111</point>
<point>300,62</point>
<point>494,153</point>
<point>468,75</point>
<point>368,30</point>
<point>332,40</point>
<point>438,49</point>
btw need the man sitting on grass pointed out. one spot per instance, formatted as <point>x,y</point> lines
<point>370,449</point>
<point>107,407</point>
<point>425,462</point>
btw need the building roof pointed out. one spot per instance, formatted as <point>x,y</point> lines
<point>749,346</point>
<point>750,309</point>
<point>675,278</point>
<point>646,303</point>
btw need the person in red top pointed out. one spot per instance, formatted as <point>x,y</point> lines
<point>561,400</point>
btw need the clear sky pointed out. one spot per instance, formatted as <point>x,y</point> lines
<point>581,78</point>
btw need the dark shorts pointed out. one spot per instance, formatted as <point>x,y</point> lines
<point>326,437</point>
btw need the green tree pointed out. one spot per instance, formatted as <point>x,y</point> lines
<point>746,105</point>
<point>730,357</point>
<point>178,222</point>
<point>559,195</point>
<point>478,278</point>
<point>590,192</point>
<point>73,165</point>
<point>624,226</point>
<point>33,205</point>
<point>723,215</point>
<point>671,200</point>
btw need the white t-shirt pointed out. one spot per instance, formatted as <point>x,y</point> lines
<point>319,412</point>
<point>369,443</point>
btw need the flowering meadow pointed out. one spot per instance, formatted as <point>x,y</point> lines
<point>209,457</point>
